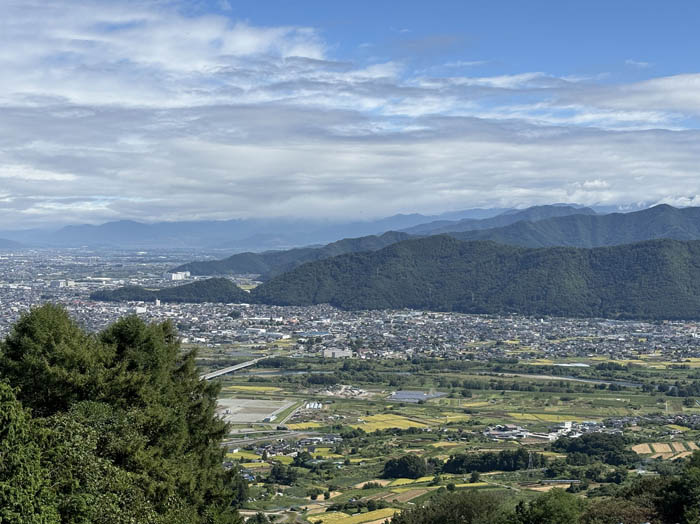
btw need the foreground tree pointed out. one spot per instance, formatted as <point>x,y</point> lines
<point>553,507</point>
<point>466,507</point>
<point>125,429</point>
<point>24,493</point>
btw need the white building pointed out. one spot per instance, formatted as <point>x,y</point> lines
<point>178,275</point>
<point>337,353</point>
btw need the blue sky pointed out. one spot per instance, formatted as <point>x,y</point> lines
<point>560,37</point>
<point>173,110</point>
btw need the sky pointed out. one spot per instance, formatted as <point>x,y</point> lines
<point>165,110</point>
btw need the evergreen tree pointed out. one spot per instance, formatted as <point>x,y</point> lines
<point>126,431</point>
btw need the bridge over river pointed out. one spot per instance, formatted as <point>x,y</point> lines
<point>231,369</point>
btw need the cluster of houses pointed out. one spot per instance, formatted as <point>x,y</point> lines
<point>565,429</point>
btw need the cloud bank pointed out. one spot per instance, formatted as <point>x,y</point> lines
<point>143,111</point>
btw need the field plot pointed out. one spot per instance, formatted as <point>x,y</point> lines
<point>406,495</point>
<point>660,447</point>
<point>253,389</point>
<point>662,450</point>
<point>238,410</point>
<point>384,421</point>
<point>544,417</point>
<point>361,518</point>
<point>678,446</point>
<point>304,425</point>
<point>381,482</point>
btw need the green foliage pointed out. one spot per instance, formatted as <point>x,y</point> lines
<point>505,460</point>
<point>671,499</point>
<point>616,511</point>
<point>408,466</point>
<point>652,280</point>
<point>589,230</point>
<point>554,507</point>
<point>210,290</point>
<point>281,474</point>
<point>465,507</point>
<point>124,430</point>
<point>51,361</point>
<point>25,496</point>
<point>258,518</point>
<point>607,448</point>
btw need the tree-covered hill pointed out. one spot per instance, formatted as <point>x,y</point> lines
<point>210,290</point>
<point>652,280</point>
<point>539,226</point>
<point>582,230</point>
<point>108,428</point>
<point>271,263</point>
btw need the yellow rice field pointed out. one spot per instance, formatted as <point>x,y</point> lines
<point>243,455</point>
<point>660,447</point>
<point>544,417</point>
<point>666,451</point>
<point>403,482</point>
<point>472,485</point>
<point>344,518</point>
<point>678,446</point>
<point>253,389</point>
<point>386,421</point>
<point>304,425</point>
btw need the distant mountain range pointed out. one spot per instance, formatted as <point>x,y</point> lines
<point>271,263</point>
<point>587,230</point>
<point>548,260</point>
<point>211,290</point>
<point>531,214</point>
<point>9,244</point>
<point>658,279</point>
<point>235,235</point>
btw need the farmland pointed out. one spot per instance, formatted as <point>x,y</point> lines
<point>345,419</point>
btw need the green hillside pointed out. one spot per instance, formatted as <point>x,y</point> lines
<point>597,230</point>
<point>653,280</point>
<point>271,263</point>
<point>210,290</point>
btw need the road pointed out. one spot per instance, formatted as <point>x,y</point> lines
<point>277,435</point>
<point>231,369</point>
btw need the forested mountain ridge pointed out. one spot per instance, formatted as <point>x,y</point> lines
<point>539,226</point>
<point>210,290</point>
<point>580,230</point>
<point>652,280</point>
<point>273,263</point>
<point>530,214</point>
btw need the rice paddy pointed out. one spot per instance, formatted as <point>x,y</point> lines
<point>385,421</point>
<point>361,518</point>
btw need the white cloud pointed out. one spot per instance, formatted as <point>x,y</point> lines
<point>638,63</point>
<point>136,110</point>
